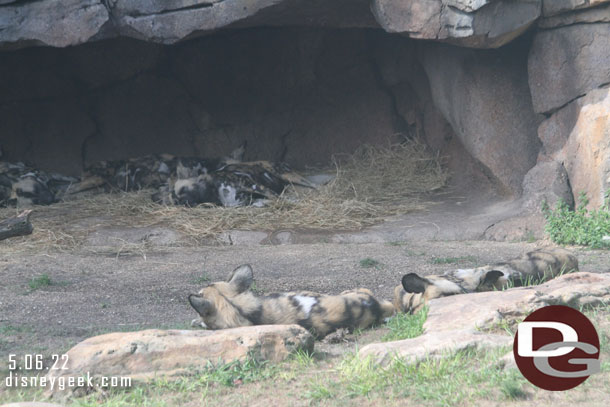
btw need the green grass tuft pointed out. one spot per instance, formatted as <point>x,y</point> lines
<point>454,260</point>
<point>405,326</point>
<point>369,263</point>
<point>202,279</point>
<point>452,380</point>
<point>579,226</point>
<point>39,282</point>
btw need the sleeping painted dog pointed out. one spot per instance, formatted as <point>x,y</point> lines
<point>23,185</point>
<point>152,171</point>
<point>231,304</point>
<point>233,184</point>
<point>532,268</point>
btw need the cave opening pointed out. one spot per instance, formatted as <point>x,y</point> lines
<point>297,95</point>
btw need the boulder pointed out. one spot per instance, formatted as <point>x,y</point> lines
<point>567,62</point>
<point>588,15</point>
<point>62,23</point>
<point>578,136</point>
<point>554,7</point>
<point>58,23</point>
<point>471,23</point>
<point>472,320</point>
<point>546,182</point>
<point>433,345</point>
<point>144,355</point>
<point>485,97</point>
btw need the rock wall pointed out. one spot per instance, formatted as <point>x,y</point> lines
<point>530,117</point>
<point>298,95</point>
<point>475,23</point>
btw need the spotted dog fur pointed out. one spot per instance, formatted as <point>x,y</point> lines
<point>533,267</point>
<point>231,304</point>
<point>234,184</point>
<point>23,185</point>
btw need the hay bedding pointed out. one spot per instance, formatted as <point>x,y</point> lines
<point>368,186</point>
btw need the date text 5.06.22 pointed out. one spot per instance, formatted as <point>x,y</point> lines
<point>37,362</point>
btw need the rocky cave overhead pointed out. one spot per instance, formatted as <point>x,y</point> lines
<point>514,93</point>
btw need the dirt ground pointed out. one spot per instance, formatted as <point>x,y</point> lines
<point>118,287</point>
<point>91,293</point>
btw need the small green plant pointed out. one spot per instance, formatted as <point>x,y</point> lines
<point>529,237</point>
<point>226,374</point>
<point>579,226</point>
<point>405,326</point>
<point>39,282</point>
<point>303,358</point>
<point>254,288</point>
<point>320,389</point>
<point>454,260</point>
<point>368,263</point>
<point>202,279</point>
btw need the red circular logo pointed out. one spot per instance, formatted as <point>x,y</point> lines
<point>556,348</point>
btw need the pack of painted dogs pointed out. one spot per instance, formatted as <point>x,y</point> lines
<point>229,181</point>
<point>231,303</point>
<point>190,181</point>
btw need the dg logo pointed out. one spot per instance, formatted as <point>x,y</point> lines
<point>557,348</point>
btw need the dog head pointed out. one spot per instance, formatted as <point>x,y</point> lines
<point>225,304</point>
<point>31,190</point>
<point>194,191</point>
<point>415,291</point>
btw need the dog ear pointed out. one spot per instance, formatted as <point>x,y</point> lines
<point>242,277</point>
<point>200,304</point>
<point>412,283</point>
<point>182,172</point>
<point>491,278</point>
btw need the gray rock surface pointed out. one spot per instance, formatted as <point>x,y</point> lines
<point>472,23</point>
<point>566,63</point>
<point>588,15</point>
<point>553,7</point>
<point>585,124</point>
<point>485,98</point>
<point>471,320</point>
<point>58,23</point>
<point>546,182</point>
<point>144,355</point>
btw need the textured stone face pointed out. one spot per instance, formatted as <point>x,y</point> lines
<point>486,99</point>
<point>460,321</point>
<point>470,23</point>
<point>145,355</point>
<point>473,23</point>
<point>58,23</point>
<point>554,7</point>
<point>586,153</point>
<point>566,62</point>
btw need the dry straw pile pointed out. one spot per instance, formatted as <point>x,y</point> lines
<point>369,186</point>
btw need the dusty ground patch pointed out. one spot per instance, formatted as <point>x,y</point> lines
<point>50,300</point>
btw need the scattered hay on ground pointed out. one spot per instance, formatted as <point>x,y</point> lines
<point>369,186</point>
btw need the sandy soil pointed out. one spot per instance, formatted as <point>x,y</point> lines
<point>92,292</point>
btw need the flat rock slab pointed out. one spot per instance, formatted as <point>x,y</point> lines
<point>462,321</point>
<point>144,355</point>
<point>433,345</point>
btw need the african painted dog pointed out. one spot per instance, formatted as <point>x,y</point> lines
<point>231,304</point>
<point>532,268</point>
<point>22,185</point>
<point>236,184</point>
